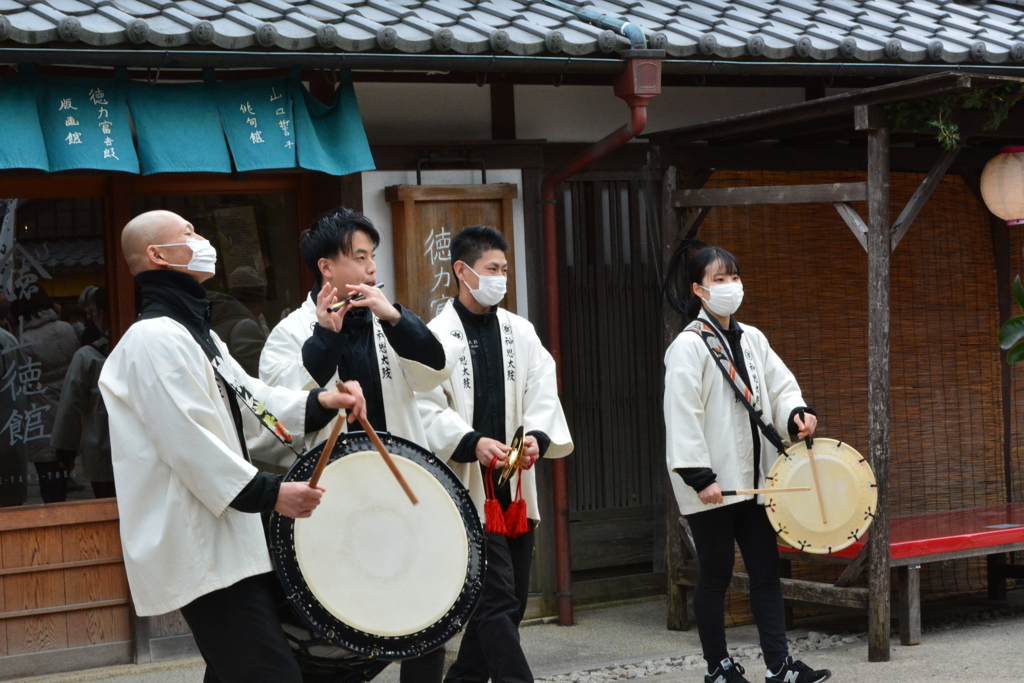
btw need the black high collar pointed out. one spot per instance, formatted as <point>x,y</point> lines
<point>468,317</point>
<point>178,296</point>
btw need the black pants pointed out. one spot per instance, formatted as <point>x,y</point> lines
<point>239,634</point>
<point>428,668</point>
<point>490,645</point>
<point>715,534</point>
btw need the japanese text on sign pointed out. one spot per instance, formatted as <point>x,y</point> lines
<point>438,250</point>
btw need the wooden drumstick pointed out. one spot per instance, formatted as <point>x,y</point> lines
<point>814,474</point>
<point>326,454</point>
<point>754,492</point>
<point>383,453</point>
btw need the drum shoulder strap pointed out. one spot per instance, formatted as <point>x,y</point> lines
<point>732,378</point>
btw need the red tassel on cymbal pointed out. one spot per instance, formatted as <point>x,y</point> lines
<point>516,523</point>
<point>494,518</point>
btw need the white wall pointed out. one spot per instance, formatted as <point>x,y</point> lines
<point>588,113</point>
<point>378,210</point>
<point>414,112</point>
<point>417,112</point>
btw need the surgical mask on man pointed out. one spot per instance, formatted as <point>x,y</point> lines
<point>204,256</point>
<point>491,290</point>
<point>724,299</point>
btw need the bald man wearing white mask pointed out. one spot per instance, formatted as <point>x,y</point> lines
<point>188,496</point>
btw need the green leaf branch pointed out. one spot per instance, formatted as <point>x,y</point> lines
<point>1011,334</point>
<point>937,113</point>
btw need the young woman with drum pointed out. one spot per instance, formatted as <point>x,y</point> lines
<point>714,444</point>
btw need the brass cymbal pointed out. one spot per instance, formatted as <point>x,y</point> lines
<point>515,457</point>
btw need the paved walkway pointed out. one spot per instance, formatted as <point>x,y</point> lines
<point>630,641</point>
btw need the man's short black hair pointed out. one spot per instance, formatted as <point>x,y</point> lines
<point>332,233</point>
<point>471,243</point>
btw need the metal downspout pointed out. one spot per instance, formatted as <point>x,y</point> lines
<point>635,86</point>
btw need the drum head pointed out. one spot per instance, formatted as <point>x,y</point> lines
<point>369,570</point>
<point>849,495</point>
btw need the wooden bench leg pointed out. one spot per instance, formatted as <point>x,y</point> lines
<point>786,572</point>
<point>910,604</point>
<point>996,576</point>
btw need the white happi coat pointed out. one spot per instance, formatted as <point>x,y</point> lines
<point>178,464</point>
<point>706,426</point>
<point>281,365</point>
<point>531,401</point>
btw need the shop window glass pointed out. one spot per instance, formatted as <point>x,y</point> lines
<point>257,279</point>
<point>54,441</point>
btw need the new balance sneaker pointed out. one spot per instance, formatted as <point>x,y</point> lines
<point>795,671</point>
<point>727,671</point>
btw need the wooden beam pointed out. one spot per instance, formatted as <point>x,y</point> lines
<point>694,220</point>
<point>771,194</point>
<point>854,569</point>
<point>922,195</point>
<point>695,217</point>
<point>854,221</point>
<point>852,158</point>
<point>792,589</point>
<point>765,122</point>
<point>868,118</point>
<point>879,608</point>
<point>677,617</point>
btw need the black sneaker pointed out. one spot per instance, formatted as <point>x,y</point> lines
<point>727,671</point>
<point>795,671</point>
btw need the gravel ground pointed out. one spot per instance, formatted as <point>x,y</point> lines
<point>966,640</point>
<point>1011,617</point>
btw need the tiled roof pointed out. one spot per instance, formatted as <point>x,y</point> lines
<point>935,31</point>
<point>53,254</point>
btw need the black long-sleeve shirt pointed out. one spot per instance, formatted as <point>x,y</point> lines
<point>484,341</point>
<point>352,352</point>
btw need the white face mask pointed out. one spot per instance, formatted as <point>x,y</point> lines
<point>204,256</point>
<point>492,288</point>
<point>724,299</point>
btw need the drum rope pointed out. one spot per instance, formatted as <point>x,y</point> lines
<point>732,378</point>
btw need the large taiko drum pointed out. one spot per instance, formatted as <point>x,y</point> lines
<point>840,515</point>
<point>375,577</point>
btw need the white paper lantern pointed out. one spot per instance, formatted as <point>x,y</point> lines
<point>1002,185</point>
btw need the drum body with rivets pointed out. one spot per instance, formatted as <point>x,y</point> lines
<point>371,572</point>
<point>849,496</point>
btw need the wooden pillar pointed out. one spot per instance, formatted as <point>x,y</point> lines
<point>879,249</point>
<point>675,555</point>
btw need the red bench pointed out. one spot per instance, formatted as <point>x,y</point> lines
<point>934,537</point>
<point>915,540</point>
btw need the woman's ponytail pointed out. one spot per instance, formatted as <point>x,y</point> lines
<point>688,266</point>
<point>678,287</point>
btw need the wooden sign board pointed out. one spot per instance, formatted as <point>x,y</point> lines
<point>425,218</point>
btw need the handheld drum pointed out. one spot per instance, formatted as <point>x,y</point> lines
<point>370,572</point>
<point>840,501</point>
